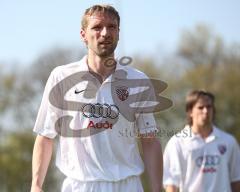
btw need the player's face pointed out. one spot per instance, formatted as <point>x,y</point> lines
<point>202,112</point>
<point>101,34</point>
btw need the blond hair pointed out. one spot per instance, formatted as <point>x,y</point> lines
<point>99,9</point>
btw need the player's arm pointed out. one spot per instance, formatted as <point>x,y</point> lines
<point>153,160</point>
<point>42,153</point>
<point>171,188</point>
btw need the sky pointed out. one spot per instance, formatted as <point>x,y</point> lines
<point>29,28</point>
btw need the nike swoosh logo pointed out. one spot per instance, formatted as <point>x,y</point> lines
<point>77,92</point>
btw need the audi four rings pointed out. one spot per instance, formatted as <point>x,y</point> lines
<point>100,110</point>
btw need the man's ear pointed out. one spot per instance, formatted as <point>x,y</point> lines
<point>83,35</point>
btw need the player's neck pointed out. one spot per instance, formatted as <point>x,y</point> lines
<point>204,131</point>
<point>98,65</point>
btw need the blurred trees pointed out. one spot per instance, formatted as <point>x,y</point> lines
<point>16,161</point>
<point>21,91</point>
<point>202,61</point>
<point>213,66</point>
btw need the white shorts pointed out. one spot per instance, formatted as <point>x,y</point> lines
<point>130,184</point>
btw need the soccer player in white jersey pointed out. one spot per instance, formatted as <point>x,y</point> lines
<point>104,161</point>
<point>208,160</point>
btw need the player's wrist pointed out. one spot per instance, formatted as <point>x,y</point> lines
<point>36,188</point>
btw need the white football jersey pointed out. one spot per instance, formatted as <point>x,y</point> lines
<point>197,165</point>
<point>108,155</point>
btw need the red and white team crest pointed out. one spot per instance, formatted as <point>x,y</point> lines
<point>222,149</point>
<point>122,92</point>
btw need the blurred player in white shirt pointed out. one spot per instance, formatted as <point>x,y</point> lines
<point>206,161</point>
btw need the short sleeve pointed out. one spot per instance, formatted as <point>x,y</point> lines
<point>172,166</point>
<point>47,114</point>
<point>146,123</point>
<point>235,163</point>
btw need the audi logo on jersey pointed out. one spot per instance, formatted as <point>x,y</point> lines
<point>105,125</point>
<point>100,110</point>
<point>208,162</point>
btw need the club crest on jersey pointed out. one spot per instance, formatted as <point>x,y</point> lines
<point>122,92</point>
<point>222,149</point>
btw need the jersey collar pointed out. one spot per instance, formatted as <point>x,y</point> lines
<point>214,134</point>
<point>119,67</point>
